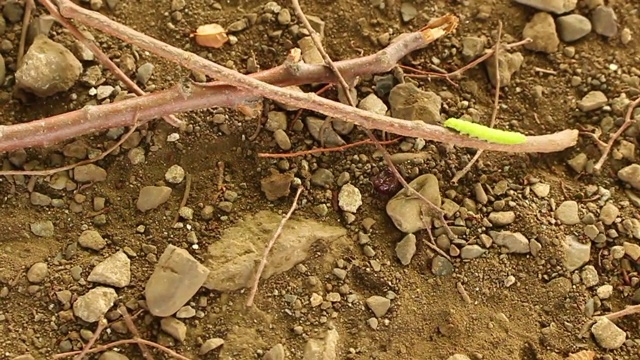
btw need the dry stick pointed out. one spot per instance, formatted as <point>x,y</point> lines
<point>102,324</point>
<point>628,121</point>
<point>321,150</point>
<point>134,331</point>
<point>545,143</point>
<point>494,114</point>
<point>387,157</point>
<point>263,261</point>
<point>103,58</point>
<point>28,9</point>
<point>185,196</point>
<point>48,172</point>
<point>629,310</point>
<point>124,342</point>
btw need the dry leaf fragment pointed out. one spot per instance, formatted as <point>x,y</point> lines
<point>211,35</point>
<point>582,355</point>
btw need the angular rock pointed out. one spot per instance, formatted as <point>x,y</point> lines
<point>276,185</point>
<point>410,103</point>
<point>331,138</point>
<point>114,270</point>
<point>472,251</point>
<point>576,254</point>
<point>48,68</point>
<point>512,242</point>
<point>631,175</point>
<point>176,278</point>
<point>89,173</point>
<point>232,259</point>
<point>441,266</point>
<point>573,27</point>
<point>605,21</point>
<point>567,213</point>
<point>374,104</point>
<point>94,304</point>
<point>541,29</point>
<point>406,211</point>
<point>174,327</point>
<point>554,6</point>
<point>607,334</point>
<point>510,63</point>
<point>322,349</point>
<point>210,344</point>
<point>379,305</point>
<point>150,197</point>
<point>92,239</point>
<point>406,248</point>
<point>594,100</point>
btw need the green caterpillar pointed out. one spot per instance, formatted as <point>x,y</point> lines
<point>485,133</point>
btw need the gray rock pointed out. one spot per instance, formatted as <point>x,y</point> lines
<point>632,250</point>
<point>114,270</point>
<point>408,11</point>
<point>91,306</point>
<point>89,173</point>
<point>573,27</point>
<point>607,334</point>
<point>632,226</point>
<point>37,272</point>
<point>323,178</point>
<point>276,185</point>
<point>39,199</point>
<point>210,344</point>
<point>541,29</point>
<point>589,276</point>
<point>92,239</point>
<point>349,198</point>
<point>233,258</point>
<point>567,213</point>
<point>151,197</point>
<point>410,103</point>
<point>592,101</point>
<point>112,355</point>
<point>472,47</point>
<point>42,228</point>
<point>406,248</point>
<point>13,11</point>
<point>331,138</point>
<point>502,218</point>
<point>406,210</point>
<point>510,63</point>
<point>631,175</point>
<point>379,305</point>
<point>342,127</point>
<point>512,242</point>
<point>554,6</point>
<point>576,254</point>
<point>276,120</point>
<point>441,266</point>
<point>605,21</point>
<point>282,139</point>
<point>275,353</point>
<point>322,349</point>
<point>578,162</point>
<point>609,213</point>
<point>176,278</point>
<point>472,251</point>
<point>175,174</point>
<point>48,68</point>
<point>174,327</point>
<point>144,73</point>
<point>373,104</point>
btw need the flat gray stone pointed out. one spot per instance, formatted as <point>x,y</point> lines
<point>541,29</point>
<point>511,242</point>
<point>573,27</point>
<point>89,173</point>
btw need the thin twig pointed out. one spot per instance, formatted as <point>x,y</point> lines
<point>103,58</point>
<point>185,196</point>
<point>496,105</point>
<point>322,150</point>
<point>628,121</point>
<point>102,324</point>
<point>104,154</point>
<point>29,6</point>
<point>629,310</point>
<point>263,261</point>
<point>124,342</point>
<point>134,331</point>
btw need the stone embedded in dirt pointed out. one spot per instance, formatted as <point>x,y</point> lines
<point>276,120</point>
<point>374,104</point>
<point>594,100</point>
<point>282,139</point>
<point>349,198</point>
<point>112,355</point>
<point>609,213</point>
<point>510,63</point>
<point>275,353</point>
<point>578,162</point>
<point>331,138</point>
<point>573,27</point>
<point>589,276</point>
<point>406,210</point>
<point>104,91</point>
<point>472,251</point>
<point>47,68</point>
<point>151,197</point>
<point>632,226</point>
<point>410,103</point>
<point>176,278</point>
<point>322,349</point>
<point>92,239</point>
<point>310,53</point>
<point>13,11</point>
<point>607,334</point>
<point>502,218</point>
<point>472,47</point>
<point>210,344</point>
<point>408,11</point>
<point>341,127</point>
<point>174,327</point>
<point>39,199</point>
<point>186,312</point>
<point>605,21</point>
<point>379,305</point>
<point>406,248</point>
<point>144,73</point>
<point>576,254</point>
<point>541,29</point>
<point>233,258</point>
<point>541,190</point>
<point>515,243</point>
<point>630,175</point>
<point>458,357</point>
<point>322,178</point>
<point>276,185</point>
<point>605,291</point>
<point>42,228</point>
<point>89,173</point>
<point>441,266</point>
<point>91,306</point>
<point>114,271</point>
<point>175,174</point>
<point>567,213</point>
<point>554,6</point>
<point>37,272</point>
<point>631,249</point>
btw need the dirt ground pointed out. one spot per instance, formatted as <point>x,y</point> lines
<point>514,306</point>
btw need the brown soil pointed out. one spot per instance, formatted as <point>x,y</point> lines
<point>428,319</point>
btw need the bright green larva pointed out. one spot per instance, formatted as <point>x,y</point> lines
<point>485,133</point>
